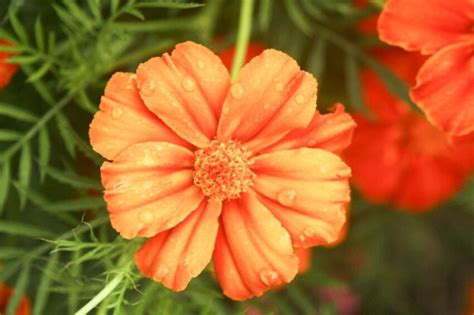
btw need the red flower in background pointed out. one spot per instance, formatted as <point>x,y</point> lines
<point>399,158</point>
<point>445,84</point>
<point>5,295</point>
<point>7,70</point>
<point>227,56</point>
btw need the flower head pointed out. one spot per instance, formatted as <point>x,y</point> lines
<point>400,158</point>
<point>5,295</point>
<point>242,172</point>
<point>7,70</point>
<point>444,30</point>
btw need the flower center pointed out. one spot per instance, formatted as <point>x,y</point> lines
<point>222,170</point>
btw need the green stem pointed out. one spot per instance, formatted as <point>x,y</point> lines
<point>101,295</point>
<point>243,36</point>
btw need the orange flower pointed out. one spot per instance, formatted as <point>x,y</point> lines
<point>227,56</point>
<point>367,25</point>
<point>469,310</point>
<point>400,158</point>
<point>444,83</point>
<point>7,70</point>
<point>5,295</point>
<point>240,171</point>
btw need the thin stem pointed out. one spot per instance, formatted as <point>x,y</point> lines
<point>101,295</point>
<point>243,36</point>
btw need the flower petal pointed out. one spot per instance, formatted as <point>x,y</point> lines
<point>149,188</point>
<point>427,181</point>
<point>331,132</point>
<point>426,25</point>
<point>307,190</point>
<point>408,164</point>
<point>123,119</point>
<point>175,256</point>
<point>253,251</point>
<point>374,156</point>
<point>444,89</point>
<point>270,98</point>
<point>186,90</point>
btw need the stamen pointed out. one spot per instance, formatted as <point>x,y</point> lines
<point>222,170</point>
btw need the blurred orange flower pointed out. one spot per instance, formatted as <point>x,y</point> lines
<point>7,70</point>
<point>205,167</point>
<point>227,56</point>
<point>5,295</point>
<point>399,158</point>
<point>444,88</point>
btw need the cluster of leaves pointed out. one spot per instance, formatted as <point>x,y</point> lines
<point>57,245</point>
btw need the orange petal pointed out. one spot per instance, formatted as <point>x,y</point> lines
<point>427,181</point>
<point>331,132</point>
<point>444,89</point>
<point>253,251</point>
<point>307,190</point>
<point>123,119</point>
<point>374,157</point>
<point>149,188</point>
<point>227,56</point>
<point>408,164</point>
<point>304,259</point>
<point>186,90</point>
<point>6,293</point>
<point>175,256</point>
<point>270,98</point>
<point>426,25</point>
<point>385,105</point>
<point>7,70</point>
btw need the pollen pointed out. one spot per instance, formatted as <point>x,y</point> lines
<point>222,170</point>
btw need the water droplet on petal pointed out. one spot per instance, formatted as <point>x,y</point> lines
<point>200,64</point>
<point>299,99</point>
<point>188,84</point>
<point>287,197</point>
<point>117,112</point>
<point>269,277</point>
<point>146,217</point>
<point>186,261</point>
<point>310,231</point>
<point>163,270</point>
<point>149,87</point>
<point>323,169</point>
<point>237,91</point>
<point>131,82</point>
<point>279,86</point>
<point>120,185</point>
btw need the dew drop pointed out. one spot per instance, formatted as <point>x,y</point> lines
<point>287,197</point>
<point>163,270</point>
<point>310,231</point>
<point>188,84</point>
<point>299,99</point>
<point>116,113</point>
<point>120,185</point>
<point>269,277</point>
<point>149,87</point>
<point>131,82</point>
<point>279,87</point>
<point>200,64</point>
<point>237,91</point>
<point>145,216</point>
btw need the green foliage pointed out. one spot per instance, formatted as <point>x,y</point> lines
<point>57,245</point>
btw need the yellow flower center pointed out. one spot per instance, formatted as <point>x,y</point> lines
<point>222,170</point>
